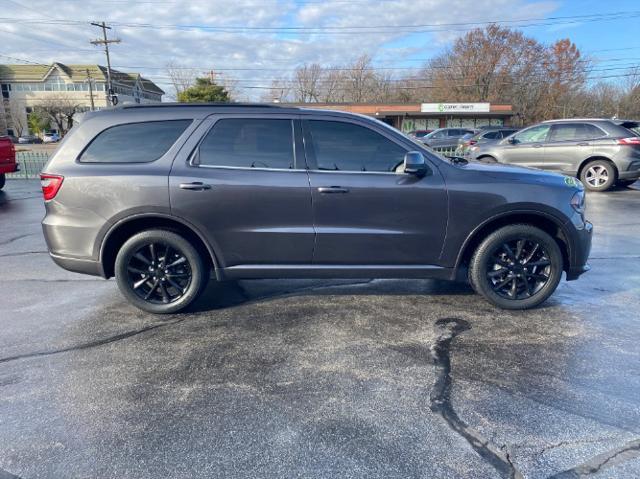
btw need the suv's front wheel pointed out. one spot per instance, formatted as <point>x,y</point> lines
<point>160,271</point>
<point>516,267</point>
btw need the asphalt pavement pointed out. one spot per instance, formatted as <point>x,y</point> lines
<point>315,379</point>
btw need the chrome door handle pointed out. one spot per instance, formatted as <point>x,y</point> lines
<point>584,143</point>
<point>332,189</point>
<point>537,145</point>
<point>195,186</point>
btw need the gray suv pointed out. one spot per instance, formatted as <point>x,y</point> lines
<point>444,138</point>
<point>601,153</point>
<point>160,196</point>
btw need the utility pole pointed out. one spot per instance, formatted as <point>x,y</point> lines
<point>111,98</point>
<point>90,81</point>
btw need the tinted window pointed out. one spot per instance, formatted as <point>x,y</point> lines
<point>533,135</point>
<point>134,142</point>
<point>436,135</point>
<point>574,131</point>
<point>491,135</point>
<point>349,147</point>
<point>248,143</point>
<point>506,133</point>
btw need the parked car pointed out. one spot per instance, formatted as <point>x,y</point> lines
<point>7,159</point>
<point>25,139</point>
<point>418,134</point>
<point>600,152</point>
<point>160,195</point>
<point>485,135</point>
<point>50,138</point>
<point>445,138</point>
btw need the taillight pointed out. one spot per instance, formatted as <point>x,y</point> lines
<point>473,142</point>
<point>50,185</point>
<point>634,140</point>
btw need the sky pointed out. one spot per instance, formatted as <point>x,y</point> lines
<point>252,42</point>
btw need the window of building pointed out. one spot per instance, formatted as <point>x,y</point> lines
<point>248,143</point>
<point>134,142</point>
<point>349,147</point>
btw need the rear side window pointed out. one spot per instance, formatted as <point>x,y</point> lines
<point>348,147</point>
<point>575,131</point>
<point>134,142</point>
<point>492,135</point>
<point>248,143</point>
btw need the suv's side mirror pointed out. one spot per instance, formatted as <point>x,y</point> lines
<point>414,163</point>
<point>512,140</point>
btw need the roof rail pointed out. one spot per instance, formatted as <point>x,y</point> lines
<point>127,106</point>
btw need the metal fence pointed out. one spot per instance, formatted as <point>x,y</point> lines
<point>31,164</point>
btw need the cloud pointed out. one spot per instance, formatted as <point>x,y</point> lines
<point>148,50</point>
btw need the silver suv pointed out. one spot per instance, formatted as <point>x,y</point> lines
<point>600,152</point>
<point>161,195</point>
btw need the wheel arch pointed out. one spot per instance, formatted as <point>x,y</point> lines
<point>124,229</point>
<point>545,222</point>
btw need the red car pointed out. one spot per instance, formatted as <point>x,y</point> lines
<point>7,159</point>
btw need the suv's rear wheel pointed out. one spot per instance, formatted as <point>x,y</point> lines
<point>598,175</point>
<point>160,271</point>
<point>516,267</point>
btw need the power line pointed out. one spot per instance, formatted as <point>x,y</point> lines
<point>356,29</point>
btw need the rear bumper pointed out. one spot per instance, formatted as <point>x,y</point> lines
<point>9,168</point>
<point>629,175</point>
<point>78,265</point>
<point>580,249</point>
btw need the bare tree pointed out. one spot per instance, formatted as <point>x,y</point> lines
<point>16,116</point>
<point>180,77</point>
<point>60,110</point>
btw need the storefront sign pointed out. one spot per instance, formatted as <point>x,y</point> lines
<point>455,107</point>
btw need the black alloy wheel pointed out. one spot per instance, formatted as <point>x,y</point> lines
<point>160,271</point>
<point>516,267</point>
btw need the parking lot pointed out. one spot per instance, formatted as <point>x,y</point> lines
<point>382,378</point>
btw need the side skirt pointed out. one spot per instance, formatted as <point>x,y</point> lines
<point>258,271</point>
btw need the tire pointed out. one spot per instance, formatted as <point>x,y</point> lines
<point>3,179</point>
<point>487,159</point>
<point>598,175</point>
<point>625,183</point>
<point>170,286</point>
<point>492,274</point>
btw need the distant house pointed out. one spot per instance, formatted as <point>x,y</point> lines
<point>25,86</point>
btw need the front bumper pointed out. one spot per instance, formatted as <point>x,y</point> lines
<point>580,248</point>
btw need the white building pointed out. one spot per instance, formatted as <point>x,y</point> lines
<point>24,87</point>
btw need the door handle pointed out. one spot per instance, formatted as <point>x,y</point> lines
<point>195,186</point>
<point>332,189</point>
<point>584,143</point>
<point>537,145</point>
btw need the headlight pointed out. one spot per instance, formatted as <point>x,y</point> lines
<point>578,201</point>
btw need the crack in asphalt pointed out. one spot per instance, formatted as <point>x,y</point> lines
<point>22,253</point>
<point>92,344</point>
<point>440,398</point>
<point>129,334</point>
<point>630,450</point>
<point>7,475</point>
<point>15,238</point>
